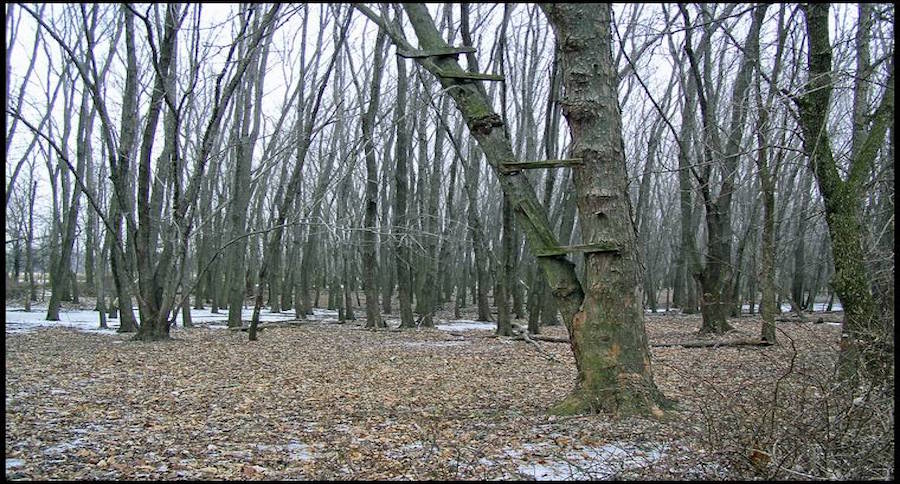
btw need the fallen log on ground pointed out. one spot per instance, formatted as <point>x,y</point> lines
<point>714,344</point>
<point>525,337</point>
<point>549,339</point>
<point>813,319</point>
<point>685,344</point>
<point>520,333</point>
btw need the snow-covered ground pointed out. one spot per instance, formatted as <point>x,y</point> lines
<point>589,463</point>
<point>451,325</point>
<point>18,321</point>
<point>466,325</point>
<point>785,308</point>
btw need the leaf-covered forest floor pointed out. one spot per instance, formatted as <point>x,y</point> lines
<point>327,401</point>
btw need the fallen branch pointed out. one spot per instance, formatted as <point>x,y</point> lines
<point>525,337</point>
<point>791,319</point>
<point>714,344</point>
<point>522,334</point>
<point>818,320</point>
<point>549,339</point>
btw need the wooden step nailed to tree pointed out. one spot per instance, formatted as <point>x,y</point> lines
<point>447,52</point>
<point>530,165</point>
<point>472,76</point>
<point>557,251</point>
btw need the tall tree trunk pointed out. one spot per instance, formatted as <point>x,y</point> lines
<point>716,274</point>
<point>29,244</point>
<point>60,270</point>
<point>401,180</point>
<point>608,330</point>
<point>386,256</point>
<point>504,325</point>
<point>687,260</point>
<point>481,261</point>
<point>369,261</point>
<point>239,201</point>
<point>798,281</point>
<point>767,177</point>
<point>861,328</point>
<point>122,303</point>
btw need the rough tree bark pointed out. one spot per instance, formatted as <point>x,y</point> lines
<point>369,261</point>
<point>401,180</point>
<point>767,177</point>
<point>595,390</point>
<point>861,329</point>
<point>716,273</point>
<point>609,327</point>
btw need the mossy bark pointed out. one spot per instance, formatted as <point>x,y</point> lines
<point>608,332</point>
<point>610,347</point>
<point>842,197</point>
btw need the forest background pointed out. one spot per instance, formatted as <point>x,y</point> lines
<point>170,157</point>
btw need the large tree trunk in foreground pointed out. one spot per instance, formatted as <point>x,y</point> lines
<point>609,327</point>
<point>623,395</point>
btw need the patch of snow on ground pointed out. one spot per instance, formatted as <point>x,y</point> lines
<point>466,325</point>
<point>824,305</point>
<point>786,308</point>
<point>591,463</point>
<point>13,463</point>
<point>404,450</point>
<point>322,314</point>
<point>19,321</point>
<point>299,451</point>
<point>432,344</point>
<point>64,447</point>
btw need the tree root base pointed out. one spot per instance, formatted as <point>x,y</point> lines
<point>578,403</point>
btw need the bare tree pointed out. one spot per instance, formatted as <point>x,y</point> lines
<point>851,282</point>
<point>594,391</point>
<point>716,272</point>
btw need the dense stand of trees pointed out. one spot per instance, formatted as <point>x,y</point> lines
<point>406,162</point>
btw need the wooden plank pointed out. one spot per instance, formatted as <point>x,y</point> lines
<point>474,76</point>
<point>556,251</point>
<point>450,51</point>
<point>530,165</point>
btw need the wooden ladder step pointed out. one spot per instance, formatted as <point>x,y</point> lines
<point>557,251</point>
<point>529,165</point>
<point>473,76</point>
<point>446,52</point>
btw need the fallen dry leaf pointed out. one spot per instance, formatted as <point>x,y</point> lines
<point>326,401</point>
